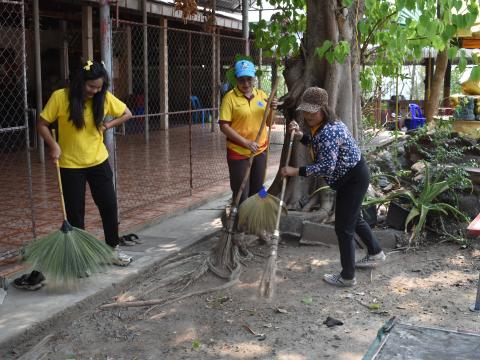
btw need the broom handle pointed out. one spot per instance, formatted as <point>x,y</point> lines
<point>252,155</point>
<point>59,179</point>
<point>284,182</point>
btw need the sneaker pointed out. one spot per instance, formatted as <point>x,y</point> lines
<point>337,280</point>
<point>32,281</point>
<point>371,261</point>
<point>86,274</point>
<point>120,258</point>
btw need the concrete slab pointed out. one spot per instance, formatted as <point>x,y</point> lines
<point>25,310</point>
<point>325,233</point>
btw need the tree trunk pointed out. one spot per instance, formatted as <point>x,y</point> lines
<point>437,84</point>
<point>326,20</point>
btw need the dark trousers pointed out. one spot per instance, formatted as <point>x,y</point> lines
<point>100,180</point>
<point>351,190</point>
<point>237,169</point>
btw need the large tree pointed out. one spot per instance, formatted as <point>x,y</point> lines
<point>343,45</point>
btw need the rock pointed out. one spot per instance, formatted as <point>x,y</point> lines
<point>418,167</point>
<point>469,204</point>
<point>325,233</point>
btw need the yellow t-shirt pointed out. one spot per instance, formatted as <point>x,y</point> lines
<point>245,117</point>
<point>81,148</point>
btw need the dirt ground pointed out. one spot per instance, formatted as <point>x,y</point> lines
<point>433,286</point>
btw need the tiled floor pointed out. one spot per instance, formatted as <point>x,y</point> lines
<point>153,181</point>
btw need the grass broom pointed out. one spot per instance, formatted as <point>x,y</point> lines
<point>69,253</point>
<point>267,282</point>
<point>257,214</point>
<point>225,262</point>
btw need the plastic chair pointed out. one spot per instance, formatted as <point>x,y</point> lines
<point>418,120</point>
<point>197,106</point>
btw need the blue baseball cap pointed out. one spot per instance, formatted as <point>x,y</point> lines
<point>244,68</point>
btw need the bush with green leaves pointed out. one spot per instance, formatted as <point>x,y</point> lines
<point>445,154</point>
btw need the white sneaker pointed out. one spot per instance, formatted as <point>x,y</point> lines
<point>337,280</point>
<point>371,261</point>
<point>120,258</point>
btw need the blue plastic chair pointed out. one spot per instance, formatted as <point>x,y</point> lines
<point>197,106</point>
<point>418,120</point>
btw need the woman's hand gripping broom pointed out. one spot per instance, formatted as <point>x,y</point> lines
<point>267,283</point>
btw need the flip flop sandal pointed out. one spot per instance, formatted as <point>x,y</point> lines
<point>125,241</point>
<point>134,238</point>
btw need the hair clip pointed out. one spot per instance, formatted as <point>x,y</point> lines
<point>88,65</point>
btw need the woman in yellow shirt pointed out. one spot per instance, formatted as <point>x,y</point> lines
<point>80,110</point>
<point>241,114</point>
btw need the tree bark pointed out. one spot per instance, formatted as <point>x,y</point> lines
<point>437,85</point>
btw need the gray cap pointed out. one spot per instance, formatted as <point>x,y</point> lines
<point>313,99</point>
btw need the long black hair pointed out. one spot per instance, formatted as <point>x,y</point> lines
<point>329,115</point>
<point>91,70</point>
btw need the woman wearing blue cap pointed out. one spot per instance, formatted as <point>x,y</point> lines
<point>241,114</point>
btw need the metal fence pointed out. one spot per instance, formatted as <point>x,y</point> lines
<point>17,222</point>
<point>183,74</point>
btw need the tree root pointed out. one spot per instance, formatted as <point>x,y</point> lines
<point>170,299</point>
<point>225,261</point>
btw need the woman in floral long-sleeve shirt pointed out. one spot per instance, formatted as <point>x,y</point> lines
<point>337,158</point>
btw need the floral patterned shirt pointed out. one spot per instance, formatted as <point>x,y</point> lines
<point>334,152</point>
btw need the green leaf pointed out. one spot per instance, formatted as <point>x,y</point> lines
<point>330,56</point>
<point>475,74</point>
<point>462,63</point>
<point>411,4</point>
<point>452,53</point>
<point>284,45</point>
<point>341,51</point>
<point>320,52</point>
<point>307,300</point>
<point>457,5</point>
<point>450,30</point>
<point>374,306</point>
<point>196,344</point>
<point>362,27</point>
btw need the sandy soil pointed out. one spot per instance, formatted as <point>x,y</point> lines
<point>434,285</point>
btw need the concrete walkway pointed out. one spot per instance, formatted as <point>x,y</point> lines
<point>24,310</point>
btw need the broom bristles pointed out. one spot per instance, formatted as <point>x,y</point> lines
<point>257,215</point>
<point>66,256</point>
<point>267,282</point>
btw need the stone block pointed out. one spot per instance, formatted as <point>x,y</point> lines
<point>325,233</point>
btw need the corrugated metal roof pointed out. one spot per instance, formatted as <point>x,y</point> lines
<point>225,5</point>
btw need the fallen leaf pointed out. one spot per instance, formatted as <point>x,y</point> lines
<point>307,300</point>
<point>374,306</point>
<point>280,310</point>
<point>196,344</point>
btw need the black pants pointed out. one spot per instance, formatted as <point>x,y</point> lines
<point>99,179</point>
<point>351,190</point>
<point>237,169</point>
